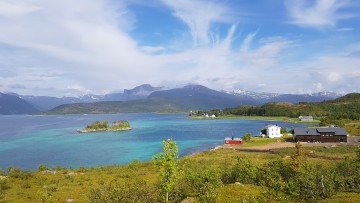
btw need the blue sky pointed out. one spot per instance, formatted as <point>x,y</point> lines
<point>63,48</point>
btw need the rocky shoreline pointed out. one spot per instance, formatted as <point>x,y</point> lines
<point>103,130</point>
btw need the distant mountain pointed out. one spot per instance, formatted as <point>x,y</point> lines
<point>139,92</point>
<point>265,97</point>
<point>200,97</point>
<point>186,98</point>
<point>142,90</point>
<point>45,103</point>
<point>191,97</point>
<point>134,106</point>
<point>11,104</point>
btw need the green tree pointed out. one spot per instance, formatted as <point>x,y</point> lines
<point>169,170</point>
<point>247,137</point>
<point>283,130</point>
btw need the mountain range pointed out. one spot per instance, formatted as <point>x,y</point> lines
<point>10,104</point>
<point>146,98</point>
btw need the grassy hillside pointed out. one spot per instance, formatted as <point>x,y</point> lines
<point>347,106</point>
<point>141,106</point>
<point>149,105</point>
<point>229,176</point>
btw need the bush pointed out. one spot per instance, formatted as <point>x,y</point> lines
<point>18,173</point>
<point>348,175</point>
<point>244,171</point>
<point>46,197</point>
<point>204,183</point>
<point>4,185</point>
<point>127,191</point>
<point>315,182</point>
<point>43,167</point>
<point>246,137</point>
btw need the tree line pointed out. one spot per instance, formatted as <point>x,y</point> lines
<point>328,112</point>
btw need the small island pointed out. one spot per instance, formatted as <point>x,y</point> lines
<point>101,126</point>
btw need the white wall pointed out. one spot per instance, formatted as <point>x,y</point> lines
<point>273,131</point>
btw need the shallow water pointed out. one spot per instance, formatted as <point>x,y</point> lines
<point>27,141</point>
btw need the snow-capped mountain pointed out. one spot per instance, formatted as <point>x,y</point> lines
<point>264,97</point>
<point>189,95</point>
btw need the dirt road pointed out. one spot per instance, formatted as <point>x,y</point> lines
<point>276,145</point>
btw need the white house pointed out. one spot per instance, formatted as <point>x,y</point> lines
<point>306,118</point>
<point>273,131</point>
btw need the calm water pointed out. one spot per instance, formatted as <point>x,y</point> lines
<point>27,141</point>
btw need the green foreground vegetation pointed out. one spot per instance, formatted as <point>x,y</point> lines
<point>104,126</point>
<point>296,174</point>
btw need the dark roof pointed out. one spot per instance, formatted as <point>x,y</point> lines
<point>317,131</point>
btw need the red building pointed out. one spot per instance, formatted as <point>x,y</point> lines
<point>233,140</point>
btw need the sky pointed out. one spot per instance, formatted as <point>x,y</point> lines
<point>69,48</point>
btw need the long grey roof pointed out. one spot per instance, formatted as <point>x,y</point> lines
<point>317,131</point>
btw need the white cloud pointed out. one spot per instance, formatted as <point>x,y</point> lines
<point>10,9</point>
<point>152,49</point>
<point>345,29</point>
<point>334,77</point>
<point>88,41</point>
<point>51,48</point>
<point>199,16</point>
<point>319,87</point>
<point>247,42</point>
<point>317,13</point>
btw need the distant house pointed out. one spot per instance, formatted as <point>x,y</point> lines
<point>233,140</point>
<point>330,134</point>
<point>273,131</point>
<point>306,118</point>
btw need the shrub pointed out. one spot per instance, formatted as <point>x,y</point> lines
<point>315,182</point>
<point>244,171</point>
<point>127,191</point>
<point>4,184</point>
<point>348,175</point>
<point>204,183</point>
<point>43,167</point>
<point>246,137</point>
<point>46,197</point>
<point>18,173</point>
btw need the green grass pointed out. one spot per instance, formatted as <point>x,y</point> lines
<point>258,141</point>
<point>76,184</point>
<point>269,118</point>
<point>234,193</point>
<point>343,197</point>
<point>353,127</point>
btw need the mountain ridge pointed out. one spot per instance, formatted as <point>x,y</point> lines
<point>188,97</point>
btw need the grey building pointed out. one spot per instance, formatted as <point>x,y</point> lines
<point>331,134</point>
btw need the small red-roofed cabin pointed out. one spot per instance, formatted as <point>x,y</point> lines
<point>233,140</point>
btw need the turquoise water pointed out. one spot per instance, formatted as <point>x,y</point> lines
<point>27,141</point>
